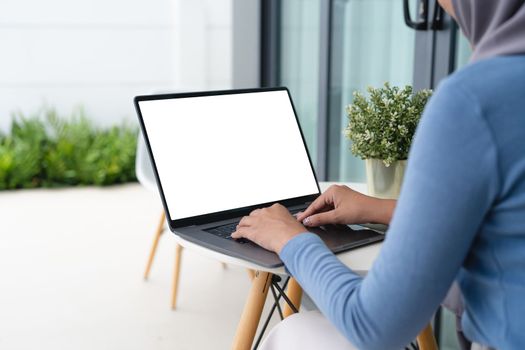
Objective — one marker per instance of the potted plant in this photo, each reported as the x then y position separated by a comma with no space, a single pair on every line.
381,127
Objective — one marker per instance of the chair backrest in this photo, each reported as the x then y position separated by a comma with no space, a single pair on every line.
143,167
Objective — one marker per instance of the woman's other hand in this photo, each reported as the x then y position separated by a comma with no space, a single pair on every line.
342,205
271,228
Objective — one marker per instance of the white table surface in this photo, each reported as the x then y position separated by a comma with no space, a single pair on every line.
359,260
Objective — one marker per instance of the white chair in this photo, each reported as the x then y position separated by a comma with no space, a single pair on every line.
144,171
146,177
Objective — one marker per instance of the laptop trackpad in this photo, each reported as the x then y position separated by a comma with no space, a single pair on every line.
341,237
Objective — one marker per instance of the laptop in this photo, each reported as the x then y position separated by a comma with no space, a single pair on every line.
219,155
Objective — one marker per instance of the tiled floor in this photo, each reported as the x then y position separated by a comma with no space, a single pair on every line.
71,264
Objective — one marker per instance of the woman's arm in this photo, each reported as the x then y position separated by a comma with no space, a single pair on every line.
450,184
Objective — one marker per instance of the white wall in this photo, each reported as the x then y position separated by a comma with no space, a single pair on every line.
205,43
100,53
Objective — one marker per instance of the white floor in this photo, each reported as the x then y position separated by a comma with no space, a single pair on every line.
71,264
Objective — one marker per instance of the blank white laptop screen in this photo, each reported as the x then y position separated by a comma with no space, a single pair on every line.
222,152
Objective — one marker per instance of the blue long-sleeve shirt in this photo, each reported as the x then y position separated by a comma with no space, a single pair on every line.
460,216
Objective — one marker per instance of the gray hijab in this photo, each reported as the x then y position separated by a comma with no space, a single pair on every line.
493,27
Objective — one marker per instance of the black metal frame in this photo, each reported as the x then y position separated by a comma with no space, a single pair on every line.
422,22
435,50
270,69
325,62
274,285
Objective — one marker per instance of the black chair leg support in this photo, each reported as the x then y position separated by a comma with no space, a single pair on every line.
275,285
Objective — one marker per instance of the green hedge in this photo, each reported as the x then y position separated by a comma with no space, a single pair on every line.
48,151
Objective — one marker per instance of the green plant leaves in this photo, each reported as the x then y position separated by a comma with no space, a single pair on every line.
382,125
48,151
21,153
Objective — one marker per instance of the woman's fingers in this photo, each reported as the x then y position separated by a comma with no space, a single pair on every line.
240,233
320,219
316,205
320,204
256,212
245,221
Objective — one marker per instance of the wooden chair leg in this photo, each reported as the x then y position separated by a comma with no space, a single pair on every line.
426,340
295,294
176,273
252,311
251,274
158,233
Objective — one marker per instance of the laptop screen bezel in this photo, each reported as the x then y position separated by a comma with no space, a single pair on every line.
231,213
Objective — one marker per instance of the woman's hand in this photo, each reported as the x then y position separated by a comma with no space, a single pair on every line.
271,228
341,205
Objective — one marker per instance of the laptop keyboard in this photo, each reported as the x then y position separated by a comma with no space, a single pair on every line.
225,231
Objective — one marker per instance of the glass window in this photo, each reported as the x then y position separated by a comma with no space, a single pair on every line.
463,50
299,71
370,44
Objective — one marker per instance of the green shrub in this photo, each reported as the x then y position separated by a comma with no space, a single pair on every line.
49,151
21,154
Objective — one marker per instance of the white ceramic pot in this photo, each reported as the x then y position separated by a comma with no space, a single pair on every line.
383,181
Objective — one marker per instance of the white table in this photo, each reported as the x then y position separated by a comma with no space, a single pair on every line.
359,260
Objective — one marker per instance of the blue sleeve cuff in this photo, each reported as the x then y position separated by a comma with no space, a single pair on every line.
295,245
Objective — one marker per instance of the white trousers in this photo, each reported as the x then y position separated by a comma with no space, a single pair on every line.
306,331
312,331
